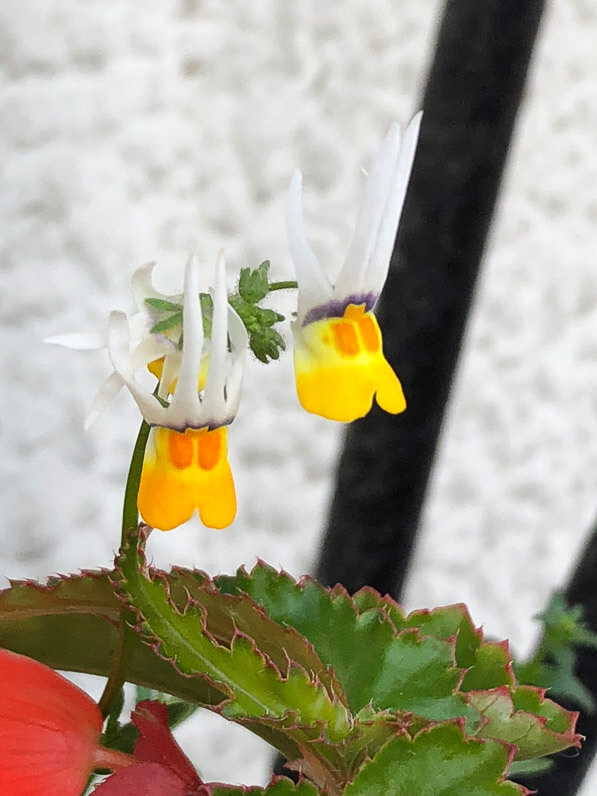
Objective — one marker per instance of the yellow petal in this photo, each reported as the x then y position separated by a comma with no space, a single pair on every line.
340,367
184,472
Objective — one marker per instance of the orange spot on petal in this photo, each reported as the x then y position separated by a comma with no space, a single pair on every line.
180,449
369,333
346,341
183,473
209,449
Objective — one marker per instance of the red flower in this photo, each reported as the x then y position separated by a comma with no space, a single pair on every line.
49,741
49,731
162,768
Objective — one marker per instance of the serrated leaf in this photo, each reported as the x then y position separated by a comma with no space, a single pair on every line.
280,786
439,761
373,662
72,624
253,284
255,685
487,663
226,614
523,717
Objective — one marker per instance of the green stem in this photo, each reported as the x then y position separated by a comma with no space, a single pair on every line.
130,520
289,285
130,512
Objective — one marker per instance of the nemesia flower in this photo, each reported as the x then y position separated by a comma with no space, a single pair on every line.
49,732
186,466
338,358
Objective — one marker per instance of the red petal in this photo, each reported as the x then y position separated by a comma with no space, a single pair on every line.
156,744
49,730
145,779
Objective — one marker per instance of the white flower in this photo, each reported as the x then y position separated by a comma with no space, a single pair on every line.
339,363
133,345
185,467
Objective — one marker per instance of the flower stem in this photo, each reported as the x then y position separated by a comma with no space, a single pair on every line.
130,512
130,520
289,285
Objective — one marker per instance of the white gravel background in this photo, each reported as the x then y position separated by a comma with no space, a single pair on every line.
136,131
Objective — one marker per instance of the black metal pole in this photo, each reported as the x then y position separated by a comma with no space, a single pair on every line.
472,96
473,92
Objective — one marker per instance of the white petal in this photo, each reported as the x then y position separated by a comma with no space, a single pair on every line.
380,258
239,342
377,188
185,407
142,285
119,350
237,332
107,392
148,350
79,341
214,404
314,286
140,324
234,384
119,344
169,373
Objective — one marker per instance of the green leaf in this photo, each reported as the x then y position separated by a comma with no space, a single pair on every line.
487,663
266,344
72,624
521,768
280,786
256,687
523,717
439,761
373,662
554,664
253,284
225,615
564,625
266,317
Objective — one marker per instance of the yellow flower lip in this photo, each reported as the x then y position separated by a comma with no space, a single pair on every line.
339,363
184,472
340,367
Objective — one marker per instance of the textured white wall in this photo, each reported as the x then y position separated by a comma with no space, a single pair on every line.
144,131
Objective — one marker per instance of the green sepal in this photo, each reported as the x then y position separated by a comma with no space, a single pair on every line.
171,322
163,305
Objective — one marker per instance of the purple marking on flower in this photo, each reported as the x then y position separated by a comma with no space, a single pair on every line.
336,308
208,424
